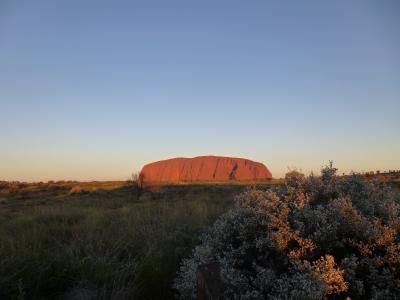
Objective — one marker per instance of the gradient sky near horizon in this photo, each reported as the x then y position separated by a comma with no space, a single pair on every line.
92,90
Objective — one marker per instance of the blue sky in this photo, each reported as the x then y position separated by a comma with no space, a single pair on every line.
92,90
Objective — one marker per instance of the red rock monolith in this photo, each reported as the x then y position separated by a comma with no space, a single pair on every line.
204,169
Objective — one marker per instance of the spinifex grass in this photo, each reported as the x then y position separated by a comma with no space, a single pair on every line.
101,243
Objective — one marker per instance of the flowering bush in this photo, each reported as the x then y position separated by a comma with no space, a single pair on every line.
316,237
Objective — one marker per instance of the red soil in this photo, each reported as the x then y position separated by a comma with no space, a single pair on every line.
204,168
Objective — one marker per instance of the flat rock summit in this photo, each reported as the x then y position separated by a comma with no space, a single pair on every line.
204,168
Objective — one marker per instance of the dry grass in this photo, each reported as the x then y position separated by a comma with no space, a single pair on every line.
100,240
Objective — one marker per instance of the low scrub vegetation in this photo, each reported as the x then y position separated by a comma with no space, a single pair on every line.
313,238
316,237
77,241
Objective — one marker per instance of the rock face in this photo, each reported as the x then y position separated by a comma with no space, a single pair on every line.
204,168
